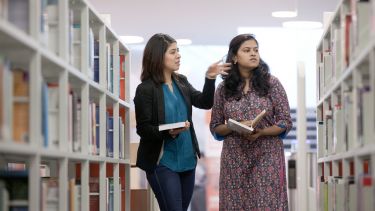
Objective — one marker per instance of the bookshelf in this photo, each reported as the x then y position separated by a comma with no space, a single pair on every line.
64,108
345,109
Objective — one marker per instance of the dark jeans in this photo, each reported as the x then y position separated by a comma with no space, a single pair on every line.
173,190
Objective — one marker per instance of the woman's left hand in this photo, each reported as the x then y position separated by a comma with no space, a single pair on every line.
175,132
217,68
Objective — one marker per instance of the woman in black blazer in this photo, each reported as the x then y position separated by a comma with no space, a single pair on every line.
169,157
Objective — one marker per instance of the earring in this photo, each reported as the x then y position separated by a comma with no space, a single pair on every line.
235,62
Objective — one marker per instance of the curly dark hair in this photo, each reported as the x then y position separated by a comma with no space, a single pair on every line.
233,82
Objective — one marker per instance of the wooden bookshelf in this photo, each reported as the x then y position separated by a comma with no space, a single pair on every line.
346,109
64,108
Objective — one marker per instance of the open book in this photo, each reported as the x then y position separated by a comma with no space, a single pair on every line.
171,126
239,127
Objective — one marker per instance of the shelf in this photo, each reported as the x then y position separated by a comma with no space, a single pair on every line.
346,109
357,152
53,103
14,38
348,71
18,149
124,104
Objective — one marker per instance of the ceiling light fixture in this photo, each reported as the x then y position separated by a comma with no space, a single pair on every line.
302,25
184,41
132,39
289,10
284,14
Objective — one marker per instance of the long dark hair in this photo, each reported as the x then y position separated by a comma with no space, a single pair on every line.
153,57
233,82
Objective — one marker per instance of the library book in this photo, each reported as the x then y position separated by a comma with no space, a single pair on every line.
242,128
171,126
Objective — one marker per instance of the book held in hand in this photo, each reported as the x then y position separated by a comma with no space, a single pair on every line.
171,126
242,128
239,127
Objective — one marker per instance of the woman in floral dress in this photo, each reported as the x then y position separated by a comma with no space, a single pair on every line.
252,171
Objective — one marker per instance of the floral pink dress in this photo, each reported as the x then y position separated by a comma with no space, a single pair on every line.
252,174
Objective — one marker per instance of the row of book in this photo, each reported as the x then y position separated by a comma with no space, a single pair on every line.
14,102
15,114
347,193
50,37
346,121
348,35
94,193
94,65
353,190
14,194
94,132
14,190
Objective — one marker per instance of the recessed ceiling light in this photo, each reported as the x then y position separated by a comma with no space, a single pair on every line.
284,14
183,41
132,39
302,24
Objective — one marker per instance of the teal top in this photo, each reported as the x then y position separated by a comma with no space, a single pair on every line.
178,153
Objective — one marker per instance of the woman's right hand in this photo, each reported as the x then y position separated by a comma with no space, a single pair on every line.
253,135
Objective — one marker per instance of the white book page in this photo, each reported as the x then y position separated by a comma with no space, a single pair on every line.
239,127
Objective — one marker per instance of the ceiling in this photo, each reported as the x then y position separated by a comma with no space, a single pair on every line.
205,22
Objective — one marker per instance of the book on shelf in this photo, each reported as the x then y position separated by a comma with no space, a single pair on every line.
239,127
52,124
6,92
94,200
364,114
348,119
323,193
121,138
328,69
338,193
338,138
49,193
347,25
75,121
96,58
94,129
110,193
363,27
21,103
1,96
4,196
74,195
109,147
171,126
328,131
337,47
76,45
320,133
122,77
3,9
20,13
320,77
14,189
109,68
365,193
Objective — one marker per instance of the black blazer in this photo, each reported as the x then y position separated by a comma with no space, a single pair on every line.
149,112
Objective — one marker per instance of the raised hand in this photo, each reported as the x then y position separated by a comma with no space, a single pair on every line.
217,68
